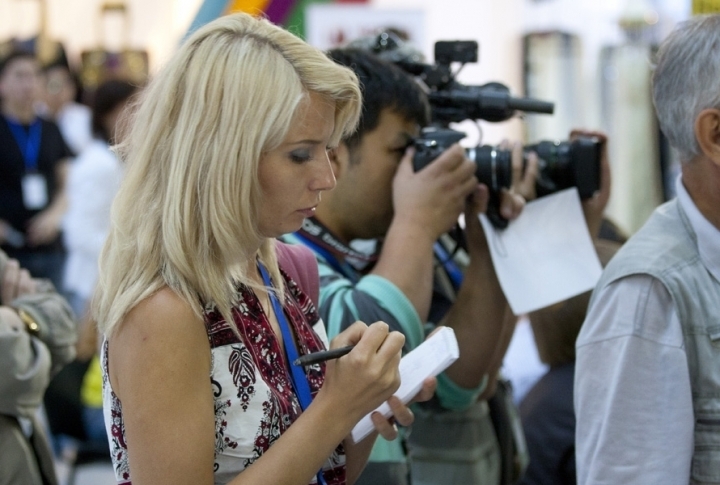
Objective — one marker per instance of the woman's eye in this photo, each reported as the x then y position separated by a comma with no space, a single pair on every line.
300,156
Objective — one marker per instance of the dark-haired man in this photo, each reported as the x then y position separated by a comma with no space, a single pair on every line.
379,196
33,167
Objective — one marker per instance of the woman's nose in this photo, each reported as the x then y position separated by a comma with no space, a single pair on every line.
324,178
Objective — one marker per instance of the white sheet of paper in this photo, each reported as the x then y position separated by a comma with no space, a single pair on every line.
428,359
546,255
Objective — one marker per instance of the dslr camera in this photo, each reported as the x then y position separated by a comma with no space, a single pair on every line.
562,164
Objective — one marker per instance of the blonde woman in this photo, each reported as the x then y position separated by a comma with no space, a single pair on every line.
228,151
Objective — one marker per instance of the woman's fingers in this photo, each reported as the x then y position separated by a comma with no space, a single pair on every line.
350,336
386,427
427,390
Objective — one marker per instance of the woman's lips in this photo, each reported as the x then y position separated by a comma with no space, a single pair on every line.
308,212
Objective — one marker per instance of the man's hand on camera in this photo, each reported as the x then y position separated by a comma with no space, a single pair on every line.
594,207
524,174
512,201
434,197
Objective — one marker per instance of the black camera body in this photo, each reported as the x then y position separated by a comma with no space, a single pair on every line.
561,165
493,167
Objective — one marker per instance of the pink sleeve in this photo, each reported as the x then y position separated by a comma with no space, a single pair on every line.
300,264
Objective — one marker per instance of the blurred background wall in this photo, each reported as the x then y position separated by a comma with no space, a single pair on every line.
562,50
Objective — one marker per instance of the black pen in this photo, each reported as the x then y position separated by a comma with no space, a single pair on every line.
322,356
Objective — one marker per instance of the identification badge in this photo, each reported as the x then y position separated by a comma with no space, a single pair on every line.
35,193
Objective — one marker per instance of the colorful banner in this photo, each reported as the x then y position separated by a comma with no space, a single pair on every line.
288,13
209,11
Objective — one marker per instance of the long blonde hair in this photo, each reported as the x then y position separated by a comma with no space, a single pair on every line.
186,213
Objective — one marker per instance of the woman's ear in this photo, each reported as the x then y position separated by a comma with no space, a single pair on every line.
707,133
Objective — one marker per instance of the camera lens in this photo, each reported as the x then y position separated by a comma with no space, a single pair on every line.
566,164
555,168
493,166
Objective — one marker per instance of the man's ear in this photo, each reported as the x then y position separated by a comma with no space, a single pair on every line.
339,160
707,133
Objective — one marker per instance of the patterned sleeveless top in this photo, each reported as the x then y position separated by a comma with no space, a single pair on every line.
251,386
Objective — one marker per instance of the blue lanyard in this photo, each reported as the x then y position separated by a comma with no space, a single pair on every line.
299,379
28,142
455,274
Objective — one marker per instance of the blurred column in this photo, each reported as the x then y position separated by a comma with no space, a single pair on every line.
629,119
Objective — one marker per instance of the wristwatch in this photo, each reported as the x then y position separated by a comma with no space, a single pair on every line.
31,325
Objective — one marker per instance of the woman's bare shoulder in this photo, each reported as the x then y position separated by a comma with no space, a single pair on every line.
164,313
161,332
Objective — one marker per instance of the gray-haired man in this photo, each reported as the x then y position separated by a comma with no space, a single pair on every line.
647,382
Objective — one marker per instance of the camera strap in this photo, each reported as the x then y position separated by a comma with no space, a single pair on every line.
337,254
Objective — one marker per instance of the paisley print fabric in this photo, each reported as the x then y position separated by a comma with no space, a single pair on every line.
251,386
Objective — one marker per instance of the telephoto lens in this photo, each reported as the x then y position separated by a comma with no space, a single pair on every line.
561,164
493,166
566,164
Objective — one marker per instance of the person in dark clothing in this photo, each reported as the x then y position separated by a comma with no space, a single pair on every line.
546,411
33,166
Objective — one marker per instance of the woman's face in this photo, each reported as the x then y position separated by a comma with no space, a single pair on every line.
293,175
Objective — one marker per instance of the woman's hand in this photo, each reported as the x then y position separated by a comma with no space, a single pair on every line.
366,377
401,413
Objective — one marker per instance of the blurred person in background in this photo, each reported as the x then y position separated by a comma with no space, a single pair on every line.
33,167
546,408
546,411
60,104
37,337
93,181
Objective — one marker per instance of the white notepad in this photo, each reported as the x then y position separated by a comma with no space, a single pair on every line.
428,359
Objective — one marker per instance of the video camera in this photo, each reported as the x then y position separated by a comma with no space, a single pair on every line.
562,164
455,102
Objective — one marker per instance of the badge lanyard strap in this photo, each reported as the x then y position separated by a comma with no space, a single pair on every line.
28,142
455,274
299,379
